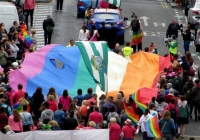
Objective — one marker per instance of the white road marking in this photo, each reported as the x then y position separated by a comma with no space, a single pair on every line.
40,14
145,20
156,24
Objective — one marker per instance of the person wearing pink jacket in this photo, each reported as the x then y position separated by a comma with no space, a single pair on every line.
15,122
29,6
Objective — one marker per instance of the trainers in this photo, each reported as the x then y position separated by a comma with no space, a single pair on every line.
61,10
56,10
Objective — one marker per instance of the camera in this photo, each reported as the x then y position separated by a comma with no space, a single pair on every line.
167,40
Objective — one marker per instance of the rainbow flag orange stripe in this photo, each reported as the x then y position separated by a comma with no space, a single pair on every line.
131,114
135,97
152,128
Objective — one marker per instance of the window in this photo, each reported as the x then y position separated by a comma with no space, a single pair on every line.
106,16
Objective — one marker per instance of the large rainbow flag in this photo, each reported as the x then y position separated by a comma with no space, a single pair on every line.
90,64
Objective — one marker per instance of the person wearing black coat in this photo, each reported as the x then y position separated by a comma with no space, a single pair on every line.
196,99
103,32
36,101
48,25
112,36
185,65
186,38
173,29
70,123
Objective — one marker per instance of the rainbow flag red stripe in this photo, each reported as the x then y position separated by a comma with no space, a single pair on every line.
152,128
135,97
131,114
136,37
28,40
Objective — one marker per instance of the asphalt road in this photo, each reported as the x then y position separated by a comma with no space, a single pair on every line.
155,16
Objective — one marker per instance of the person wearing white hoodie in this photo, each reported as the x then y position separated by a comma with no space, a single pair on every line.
14,49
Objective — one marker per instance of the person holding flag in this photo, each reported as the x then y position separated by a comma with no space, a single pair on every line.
144,118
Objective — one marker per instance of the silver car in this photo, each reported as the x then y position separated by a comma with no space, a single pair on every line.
194,12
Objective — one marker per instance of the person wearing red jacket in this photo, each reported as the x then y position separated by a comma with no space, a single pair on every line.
29,6
52,103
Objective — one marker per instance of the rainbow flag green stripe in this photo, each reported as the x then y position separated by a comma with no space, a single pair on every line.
135,97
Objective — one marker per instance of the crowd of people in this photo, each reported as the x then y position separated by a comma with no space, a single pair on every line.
178,92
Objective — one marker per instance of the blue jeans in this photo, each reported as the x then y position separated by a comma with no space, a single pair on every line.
145,137
186,45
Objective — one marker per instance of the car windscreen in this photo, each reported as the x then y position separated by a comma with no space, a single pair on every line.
106,16
197,5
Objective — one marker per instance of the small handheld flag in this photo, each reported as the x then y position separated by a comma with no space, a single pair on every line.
28,39
131,114
152,128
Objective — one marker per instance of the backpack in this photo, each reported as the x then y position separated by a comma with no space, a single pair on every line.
135,25
161,110
173,113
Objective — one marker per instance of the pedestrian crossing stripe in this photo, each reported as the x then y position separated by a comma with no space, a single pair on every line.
40,14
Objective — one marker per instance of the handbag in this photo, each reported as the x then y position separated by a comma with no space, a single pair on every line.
49,29
192,72
26,127
162,138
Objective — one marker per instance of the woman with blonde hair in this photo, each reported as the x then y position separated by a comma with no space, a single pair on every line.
83,112
52,103
52,91
15,122
167,126
34,38
54,125
92,125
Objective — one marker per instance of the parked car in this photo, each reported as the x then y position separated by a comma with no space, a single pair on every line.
194,12
108,16
197,35
82,5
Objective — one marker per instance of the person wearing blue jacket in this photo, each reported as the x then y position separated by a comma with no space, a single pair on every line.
79,97
167,126
59,115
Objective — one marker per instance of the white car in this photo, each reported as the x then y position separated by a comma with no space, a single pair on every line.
193,13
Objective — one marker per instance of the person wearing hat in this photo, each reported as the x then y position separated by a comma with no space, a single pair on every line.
48,25
153,48
128,130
